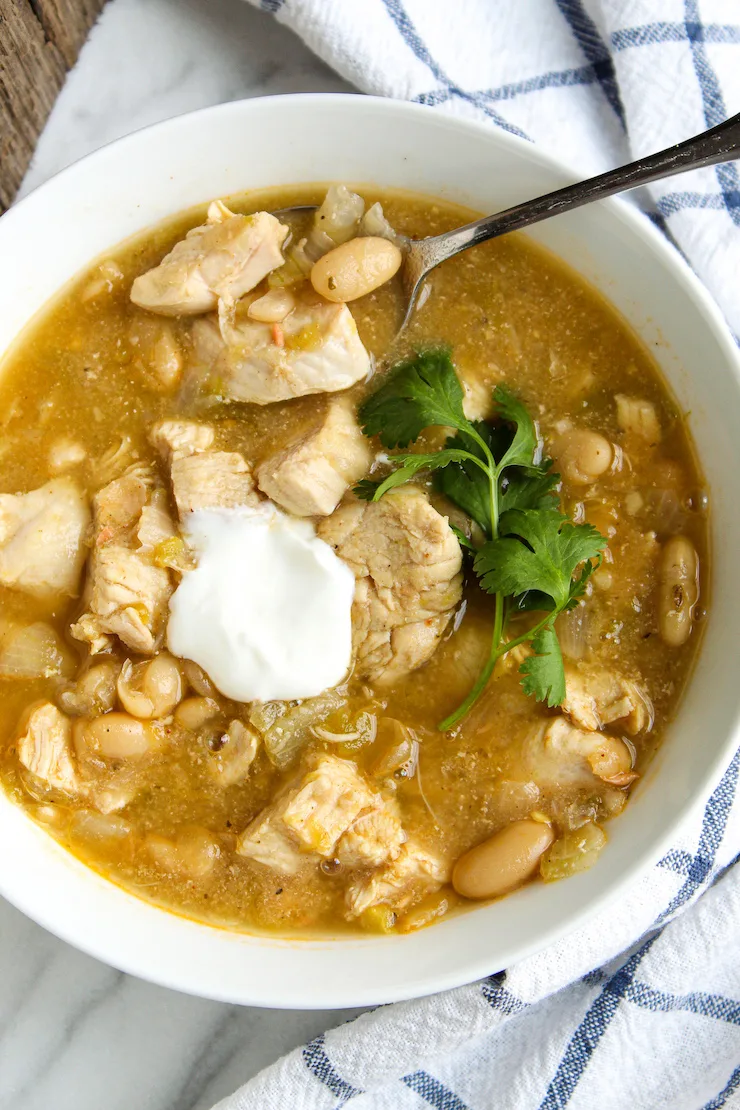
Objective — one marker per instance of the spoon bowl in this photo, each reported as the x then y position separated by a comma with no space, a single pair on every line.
421,256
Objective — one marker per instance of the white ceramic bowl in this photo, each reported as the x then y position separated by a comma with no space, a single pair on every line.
139,180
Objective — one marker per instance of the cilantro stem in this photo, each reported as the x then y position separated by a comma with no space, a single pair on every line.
498,650
498,620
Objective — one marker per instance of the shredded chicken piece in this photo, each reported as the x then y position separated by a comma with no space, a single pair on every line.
155,523
212,480
310,477
328,801
638,417
175,439
224,258
316,348
312,816
45,749
373,839
559,756
201,478
406,561
415,871
42,538
126,593
594,699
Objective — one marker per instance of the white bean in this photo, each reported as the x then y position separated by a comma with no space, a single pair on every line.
119,736
193,713
150,689
583,456
679,590
192,854
355,268
504,861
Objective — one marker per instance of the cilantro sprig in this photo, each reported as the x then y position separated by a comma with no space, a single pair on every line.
534,557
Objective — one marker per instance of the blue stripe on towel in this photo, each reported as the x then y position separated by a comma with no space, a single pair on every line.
498,997
730,1087
697,1002
592,1028
714,106
651,33
321,1067
415,43
555,79
595,50
713,827
671,203
433,1092
677,860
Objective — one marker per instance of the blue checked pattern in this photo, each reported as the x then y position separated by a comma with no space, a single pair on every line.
641,1008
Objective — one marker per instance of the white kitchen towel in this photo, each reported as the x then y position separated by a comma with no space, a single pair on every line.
641,1008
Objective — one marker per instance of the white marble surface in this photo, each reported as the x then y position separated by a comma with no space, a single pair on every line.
74,1034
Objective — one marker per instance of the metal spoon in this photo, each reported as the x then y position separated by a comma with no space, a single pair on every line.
421,256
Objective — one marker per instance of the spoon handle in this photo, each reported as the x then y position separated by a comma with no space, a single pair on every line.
721,144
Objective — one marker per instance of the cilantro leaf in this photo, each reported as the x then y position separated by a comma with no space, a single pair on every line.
409,467
530,488
366,489
552,549
462,539
543,675
521,450
422,392
466,483
578,585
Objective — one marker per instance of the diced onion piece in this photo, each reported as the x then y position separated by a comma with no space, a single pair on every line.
91,826
576,851
363,731
273,307
290,732
337,218
375,223
399,750
572,630
34,651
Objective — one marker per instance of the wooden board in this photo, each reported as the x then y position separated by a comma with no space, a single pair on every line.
39,42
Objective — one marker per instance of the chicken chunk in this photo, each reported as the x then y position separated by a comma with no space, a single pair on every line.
223,258
306,823
373,839
315,349
594,699
212,480
127,593
45,749
310,477
329,800
559,756
42,538
415,872
406,561
128,599
175,439
155,523
266,841
201,478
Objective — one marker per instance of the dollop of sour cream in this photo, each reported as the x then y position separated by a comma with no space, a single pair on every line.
266,611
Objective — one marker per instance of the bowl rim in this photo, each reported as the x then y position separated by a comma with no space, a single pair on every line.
98,945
